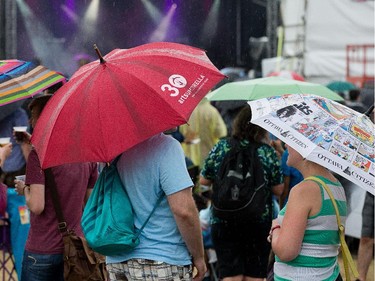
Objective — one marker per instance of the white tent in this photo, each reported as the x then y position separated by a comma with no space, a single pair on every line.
317,32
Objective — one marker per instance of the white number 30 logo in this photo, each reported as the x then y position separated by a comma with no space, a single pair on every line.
176,82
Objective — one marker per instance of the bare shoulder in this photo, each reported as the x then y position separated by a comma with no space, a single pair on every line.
305,187
307,193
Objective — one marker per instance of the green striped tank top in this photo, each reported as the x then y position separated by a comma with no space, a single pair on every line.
317,260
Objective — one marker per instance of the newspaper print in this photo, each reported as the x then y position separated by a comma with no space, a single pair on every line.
323,131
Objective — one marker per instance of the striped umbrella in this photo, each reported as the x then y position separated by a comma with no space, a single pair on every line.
20,80
8,65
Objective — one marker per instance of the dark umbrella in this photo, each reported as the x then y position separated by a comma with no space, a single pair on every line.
9,108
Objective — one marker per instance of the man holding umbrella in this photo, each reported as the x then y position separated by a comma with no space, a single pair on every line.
151,168
120,104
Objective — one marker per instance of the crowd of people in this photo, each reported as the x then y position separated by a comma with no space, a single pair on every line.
305,243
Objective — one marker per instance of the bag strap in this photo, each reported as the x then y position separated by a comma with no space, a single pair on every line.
347,258
236,144
149,216
114,161
138,233
51,184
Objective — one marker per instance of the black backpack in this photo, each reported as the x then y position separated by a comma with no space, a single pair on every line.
239,189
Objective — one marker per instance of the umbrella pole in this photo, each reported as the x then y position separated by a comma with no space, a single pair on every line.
369,111
102,60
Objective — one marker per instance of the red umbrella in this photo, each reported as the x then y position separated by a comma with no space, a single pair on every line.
287,74
112,104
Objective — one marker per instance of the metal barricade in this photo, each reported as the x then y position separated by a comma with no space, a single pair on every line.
7,263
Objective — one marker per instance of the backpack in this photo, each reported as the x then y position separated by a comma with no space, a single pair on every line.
239,188
108,219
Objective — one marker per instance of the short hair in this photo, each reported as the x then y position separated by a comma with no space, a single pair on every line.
243,129
354,94
52,89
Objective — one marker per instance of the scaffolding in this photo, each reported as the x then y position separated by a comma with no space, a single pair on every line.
7,262
360,64
8,29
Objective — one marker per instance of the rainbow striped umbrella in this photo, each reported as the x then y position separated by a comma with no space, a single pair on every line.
20,80
8,65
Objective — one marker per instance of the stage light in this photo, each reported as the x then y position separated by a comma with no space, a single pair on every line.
88,24
70,13
92,12
161,31
49,49
153,11
70,4
210,26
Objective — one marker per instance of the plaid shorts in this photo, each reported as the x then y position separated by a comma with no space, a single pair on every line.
143,269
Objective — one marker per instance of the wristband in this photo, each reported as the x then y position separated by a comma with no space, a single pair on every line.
275,227
269,238
23,190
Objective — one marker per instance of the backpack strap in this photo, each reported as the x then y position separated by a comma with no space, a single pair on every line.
347,258
114,162
251,147
149,216
236,144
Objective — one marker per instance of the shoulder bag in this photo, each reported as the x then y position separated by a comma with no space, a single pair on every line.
346,256
81,263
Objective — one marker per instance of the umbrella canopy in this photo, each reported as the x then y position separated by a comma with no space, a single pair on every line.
8,65
20,80
127,96
287,74
322,131
269,87
341,86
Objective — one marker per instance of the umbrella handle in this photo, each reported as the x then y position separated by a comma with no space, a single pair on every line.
369,111
102,60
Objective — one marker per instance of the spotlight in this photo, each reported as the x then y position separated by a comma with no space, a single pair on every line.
161,31
92,12
210,26
72,15
88,24
153,11
44,44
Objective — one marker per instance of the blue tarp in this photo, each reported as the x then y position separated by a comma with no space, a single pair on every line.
18,231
